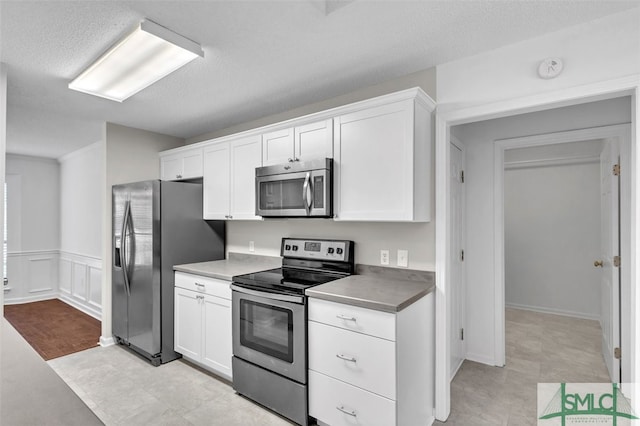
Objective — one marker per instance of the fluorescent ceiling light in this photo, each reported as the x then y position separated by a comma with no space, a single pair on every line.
146,55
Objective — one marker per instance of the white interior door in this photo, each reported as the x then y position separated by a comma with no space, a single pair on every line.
610,242
457,311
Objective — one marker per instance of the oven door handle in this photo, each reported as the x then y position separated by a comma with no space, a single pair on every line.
272,296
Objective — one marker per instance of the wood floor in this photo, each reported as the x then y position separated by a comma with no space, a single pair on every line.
541,348
53,328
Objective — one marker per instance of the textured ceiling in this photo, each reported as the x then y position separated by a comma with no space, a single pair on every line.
261,57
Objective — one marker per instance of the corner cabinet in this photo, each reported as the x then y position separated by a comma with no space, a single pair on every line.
368,367
229,179
203,322
300,143
382,161
181,164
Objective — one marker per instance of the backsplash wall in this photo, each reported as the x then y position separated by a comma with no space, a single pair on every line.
370,238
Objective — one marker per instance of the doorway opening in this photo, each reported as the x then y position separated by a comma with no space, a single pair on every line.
485,296
565,243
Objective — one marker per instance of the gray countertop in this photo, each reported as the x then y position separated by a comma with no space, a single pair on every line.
373,291
235,264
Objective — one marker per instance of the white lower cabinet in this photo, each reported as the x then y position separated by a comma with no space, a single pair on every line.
337,403
368,367
203,322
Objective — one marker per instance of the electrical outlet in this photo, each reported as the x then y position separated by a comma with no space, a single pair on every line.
384,257
252,246
403,258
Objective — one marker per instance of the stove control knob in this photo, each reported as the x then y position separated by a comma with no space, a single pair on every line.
330,250
294,248
287,247
339,250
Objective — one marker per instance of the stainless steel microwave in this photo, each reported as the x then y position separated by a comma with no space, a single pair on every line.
295,189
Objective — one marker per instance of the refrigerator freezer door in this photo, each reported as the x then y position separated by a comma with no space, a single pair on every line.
142,254
120,299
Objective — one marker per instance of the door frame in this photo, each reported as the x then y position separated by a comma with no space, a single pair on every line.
462,291
444,120
622,133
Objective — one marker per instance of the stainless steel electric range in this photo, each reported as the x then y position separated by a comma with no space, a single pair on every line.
269,311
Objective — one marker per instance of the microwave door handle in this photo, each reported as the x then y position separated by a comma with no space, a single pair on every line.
306,194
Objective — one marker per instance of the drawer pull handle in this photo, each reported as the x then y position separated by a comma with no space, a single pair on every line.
344,410
346,318
200,285
351,359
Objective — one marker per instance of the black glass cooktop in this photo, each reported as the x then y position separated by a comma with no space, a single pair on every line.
285,280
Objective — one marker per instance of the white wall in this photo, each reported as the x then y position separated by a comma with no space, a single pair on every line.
39,201
595,51
33,221
370,238
479,256
81,201
130,155
552,237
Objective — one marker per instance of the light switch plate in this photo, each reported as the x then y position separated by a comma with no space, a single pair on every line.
384,257
252,246
403,258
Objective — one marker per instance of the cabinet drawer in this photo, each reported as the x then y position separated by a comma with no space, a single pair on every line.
328,396
354,318
211,286
364,361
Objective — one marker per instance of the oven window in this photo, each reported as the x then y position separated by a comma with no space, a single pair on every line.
267,329
282,194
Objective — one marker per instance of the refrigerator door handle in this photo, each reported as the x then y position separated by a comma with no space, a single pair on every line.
123,246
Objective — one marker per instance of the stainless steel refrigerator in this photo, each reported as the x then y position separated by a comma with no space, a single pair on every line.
156,225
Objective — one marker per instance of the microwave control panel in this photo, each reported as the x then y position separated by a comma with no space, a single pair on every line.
317,249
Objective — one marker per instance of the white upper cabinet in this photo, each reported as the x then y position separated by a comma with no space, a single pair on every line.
381,150
277,147
309,141
382,162
181,165
215,182
314,140
229,179
246,155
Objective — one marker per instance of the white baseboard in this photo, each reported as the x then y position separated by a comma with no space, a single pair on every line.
554,311
107,341
456,369
482,359
29,299
69,301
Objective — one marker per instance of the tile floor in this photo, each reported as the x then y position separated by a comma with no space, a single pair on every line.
122,389
541,348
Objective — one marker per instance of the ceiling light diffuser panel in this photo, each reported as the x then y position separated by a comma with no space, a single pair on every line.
148,54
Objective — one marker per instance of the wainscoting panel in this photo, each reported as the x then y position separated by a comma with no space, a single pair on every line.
85,282
50,274
79,281
95,287
32,276
65,276
42,272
